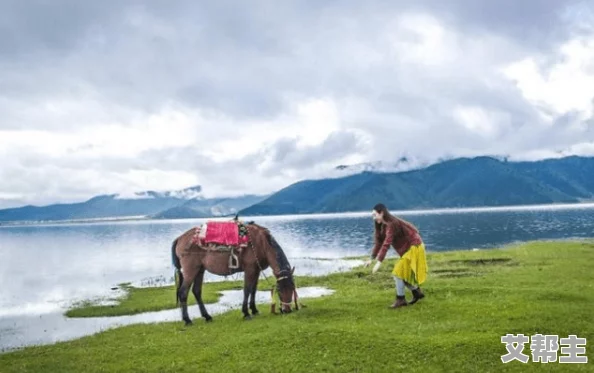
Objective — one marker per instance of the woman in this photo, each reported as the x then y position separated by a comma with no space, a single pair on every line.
411,269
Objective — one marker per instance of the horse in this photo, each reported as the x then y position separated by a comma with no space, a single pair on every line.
192,258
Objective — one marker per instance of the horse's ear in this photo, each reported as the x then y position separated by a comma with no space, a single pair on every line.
293,270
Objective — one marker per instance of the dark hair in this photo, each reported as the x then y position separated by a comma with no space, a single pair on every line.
381,208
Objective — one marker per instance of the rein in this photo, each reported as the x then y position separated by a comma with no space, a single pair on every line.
251,244
273,302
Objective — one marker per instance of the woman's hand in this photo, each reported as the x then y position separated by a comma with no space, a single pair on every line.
376,266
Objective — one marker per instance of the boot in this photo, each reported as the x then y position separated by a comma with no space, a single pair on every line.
417,295
400,302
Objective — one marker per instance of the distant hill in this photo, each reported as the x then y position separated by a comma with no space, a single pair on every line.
209,207
185,203
462,182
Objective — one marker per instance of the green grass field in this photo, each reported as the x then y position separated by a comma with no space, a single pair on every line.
472,299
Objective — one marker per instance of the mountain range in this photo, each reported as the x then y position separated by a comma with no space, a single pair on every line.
461,182
185,203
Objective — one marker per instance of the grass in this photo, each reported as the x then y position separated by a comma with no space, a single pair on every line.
472,299
138,300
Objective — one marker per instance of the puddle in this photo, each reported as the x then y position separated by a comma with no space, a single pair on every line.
42,322
22,331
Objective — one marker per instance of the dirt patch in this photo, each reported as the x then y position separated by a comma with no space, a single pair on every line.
562,297
449,270
453,273
485,261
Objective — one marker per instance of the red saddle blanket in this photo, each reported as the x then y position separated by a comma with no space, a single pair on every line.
224,233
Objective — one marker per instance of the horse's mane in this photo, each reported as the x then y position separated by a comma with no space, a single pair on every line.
281,258
258,226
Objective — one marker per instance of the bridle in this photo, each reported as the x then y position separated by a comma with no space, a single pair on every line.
279,278
295,297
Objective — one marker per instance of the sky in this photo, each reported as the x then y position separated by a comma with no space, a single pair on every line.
248,97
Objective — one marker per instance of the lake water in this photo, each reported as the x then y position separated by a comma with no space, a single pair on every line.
44,268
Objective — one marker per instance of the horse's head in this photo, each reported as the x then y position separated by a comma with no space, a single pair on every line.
285,287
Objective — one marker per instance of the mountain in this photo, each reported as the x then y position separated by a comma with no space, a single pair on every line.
462,182
185,203
209,207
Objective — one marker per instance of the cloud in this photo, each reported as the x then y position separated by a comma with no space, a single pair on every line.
117,97
288,155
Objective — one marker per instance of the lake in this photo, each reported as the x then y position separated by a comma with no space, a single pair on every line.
44,268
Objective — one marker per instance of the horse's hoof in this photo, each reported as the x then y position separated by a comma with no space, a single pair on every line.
208,319
247,317
255,313
188,322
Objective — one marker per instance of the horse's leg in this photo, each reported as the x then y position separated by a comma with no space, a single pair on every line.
182,293
248,282
197,290
253,294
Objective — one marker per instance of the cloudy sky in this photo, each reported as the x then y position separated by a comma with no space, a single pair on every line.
247,97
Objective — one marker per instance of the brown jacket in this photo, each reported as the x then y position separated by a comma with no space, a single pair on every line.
400,234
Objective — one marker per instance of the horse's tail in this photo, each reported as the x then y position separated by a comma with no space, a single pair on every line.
179,277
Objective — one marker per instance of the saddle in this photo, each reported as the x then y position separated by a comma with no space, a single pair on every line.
231,237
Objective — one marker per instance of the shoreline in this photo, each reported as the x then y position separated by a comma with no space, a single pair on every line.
305,216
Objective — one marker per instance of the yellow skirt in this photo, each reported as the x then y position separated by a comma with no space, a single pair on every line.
412,266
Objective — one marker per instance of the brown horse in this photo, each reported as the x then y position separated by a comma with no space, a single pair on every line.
192,260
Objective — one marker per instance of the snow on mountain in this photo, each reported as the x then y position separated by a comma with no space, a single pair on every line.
194,192
134,195
400,165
